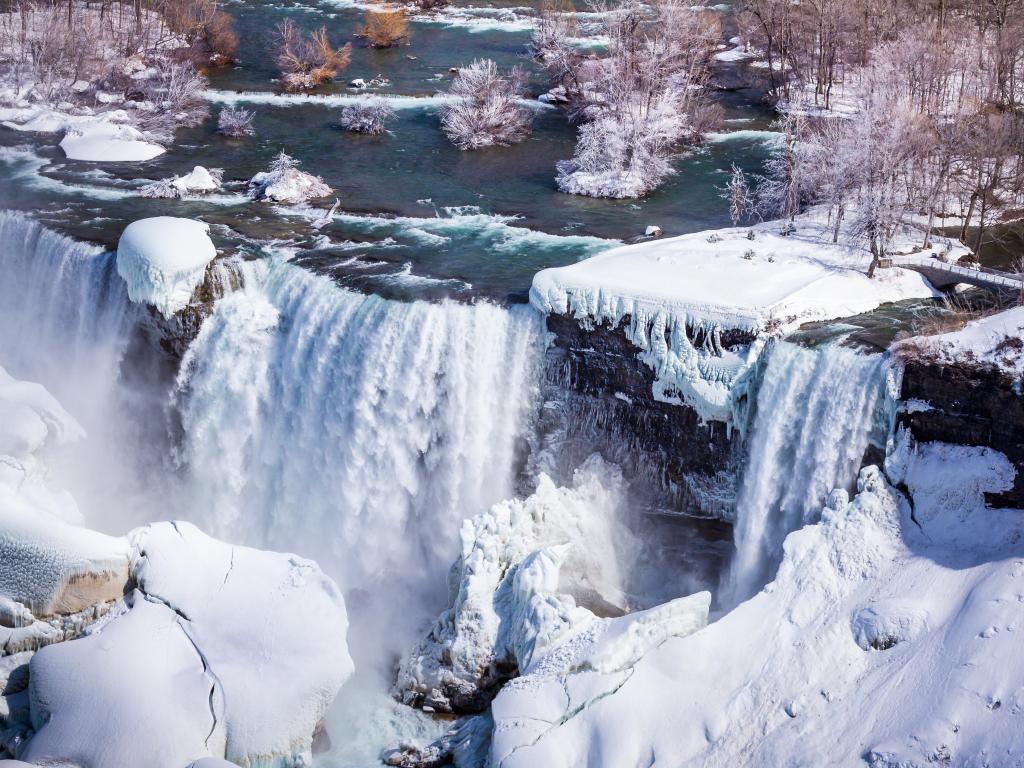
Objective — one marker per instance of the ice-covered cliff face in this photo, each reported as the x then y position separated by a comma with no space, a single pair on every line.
816,412
356,430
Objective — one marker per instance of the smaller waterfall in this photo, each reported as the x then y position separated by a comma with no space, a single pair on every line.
817,410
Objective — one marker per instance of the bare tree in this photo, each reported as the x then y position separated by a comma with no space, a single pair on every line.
308,60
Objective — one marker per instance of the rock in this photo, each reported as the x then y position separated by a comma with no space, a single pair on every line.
163,260
654,231
357,83
81,86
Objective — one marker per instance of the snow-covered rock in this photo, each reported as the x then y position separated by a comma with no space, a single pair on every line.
285,183
106,142
271,627
883,639
198,181
526,571
163,259
996,341
682,294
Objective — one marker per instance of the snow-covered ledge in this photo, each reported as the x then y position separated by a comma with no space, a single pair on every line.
701,306
163,260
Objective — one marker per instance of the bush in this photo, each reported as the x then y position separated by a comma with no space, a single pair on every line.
370,117
306,62
385,29
177,96
488,112
221,37
235,122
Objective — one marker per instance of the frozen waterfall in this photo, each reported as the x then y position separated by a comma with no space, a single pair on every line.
817,411
356,430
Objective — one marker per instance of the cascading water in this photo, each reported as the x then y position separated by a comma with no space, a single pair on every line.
66,322
817,411
64,311
355,430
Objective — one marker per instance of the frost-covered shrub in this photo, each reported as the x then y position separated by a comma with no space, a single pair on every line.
369,117
489,111
199,181
285,183
235,122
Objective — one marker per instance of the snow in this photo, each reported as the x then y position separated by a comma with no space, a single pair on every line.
198,181
134,693
882,638
163,259
526,570
996,340
47,565
679,294
270,626
285,183
108,142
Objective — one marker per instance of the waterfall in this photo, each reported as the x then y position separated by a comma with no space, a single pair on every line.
64,313
355,430
817,410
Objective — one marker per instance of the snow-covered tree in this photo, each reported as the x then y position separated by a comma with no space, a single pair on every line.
285,183
641,101
488,111
737,194
369,117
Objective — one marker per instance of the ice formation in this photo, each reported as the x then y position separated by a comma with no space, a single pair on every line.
156,648
163,260
683,295
103,141
530,571
852,669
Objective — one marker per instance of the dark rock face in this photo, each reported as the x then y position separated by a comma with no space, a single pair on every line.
598,397
174,334
971,405
682,473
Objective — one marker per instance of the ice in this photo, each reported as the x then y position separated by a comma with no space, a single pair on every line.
163,260
106,142
681,294
513,587
285,183
883,637
270,626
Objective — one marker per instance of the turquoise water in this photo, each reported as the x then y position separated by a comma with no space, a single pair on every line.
418,218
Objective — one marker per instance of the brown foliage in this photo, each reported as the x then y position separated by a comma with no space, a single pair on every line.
221,36
306,62
385,29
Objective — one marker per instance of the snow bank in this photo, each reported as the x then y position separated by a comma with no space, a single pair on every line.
996,340
682,294
163,260
881,639
526,570
270,626
107,142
